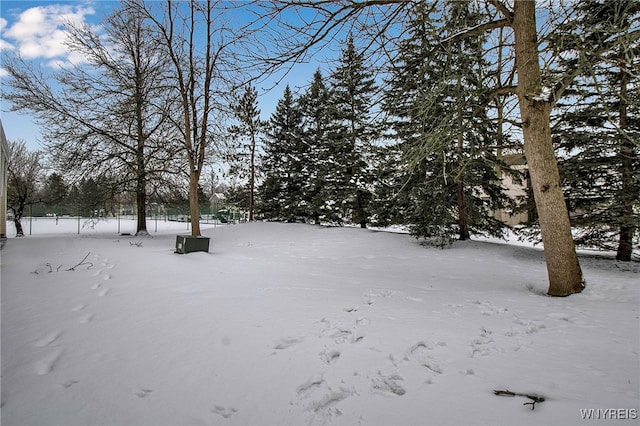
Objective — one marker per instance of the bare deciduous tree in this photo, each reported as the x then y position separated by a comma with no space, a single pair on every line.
25,169
106,116
198,72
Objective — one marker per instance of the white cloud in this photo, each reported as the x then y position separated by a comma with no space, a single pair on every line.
38,32
5,45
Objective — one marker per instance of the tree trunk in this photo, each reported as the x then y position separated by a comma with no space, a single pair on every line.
627,229
18,224
141,192
563,267
141,184
252,175
463,213
141,204
194,203
361,215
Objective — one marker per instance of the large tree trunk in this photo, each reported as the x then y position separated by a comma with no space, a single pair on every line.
463,212
627,229
18,224
194,203
141,191
141,178
563,267
141,202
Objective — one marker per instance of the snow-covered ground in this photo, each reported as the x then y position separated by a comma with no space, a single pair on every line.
287,324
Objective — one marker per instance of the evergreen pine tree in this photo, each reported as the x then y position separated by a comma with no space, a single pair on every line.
598,135
316,120
248,131
437,96
352,135
284,168
54,192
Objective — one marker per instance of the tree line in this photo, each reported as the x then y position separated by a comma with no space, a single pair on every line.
35,192
433,158
412,125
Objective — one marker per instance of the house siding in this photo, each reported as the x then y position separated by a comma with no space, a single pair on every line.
4,165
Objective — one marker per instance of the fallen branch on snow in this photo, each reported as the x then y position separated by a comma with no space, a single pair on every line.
533,397
82,262
51,269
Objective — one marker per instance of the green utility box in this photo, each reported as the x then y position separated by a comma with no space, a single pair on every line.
189,243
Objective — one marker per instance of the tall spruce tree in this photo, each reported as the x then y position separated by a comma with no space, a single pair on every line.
248,131
437,98
315,112
284,166
598,135
352,134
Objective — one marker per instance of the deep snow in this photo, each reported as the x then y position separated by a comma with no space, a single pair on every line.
298,324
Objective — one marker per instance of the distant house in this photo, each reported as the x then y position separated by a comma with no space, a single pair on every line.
514,190
4,166
218,199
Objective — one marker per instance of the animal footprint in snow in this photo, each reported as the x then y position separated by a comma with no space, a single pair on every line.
48,339
357,338
86,319
223,411
287,343
432,366
96,273
322,410
78,308
143,392
106,277
340,335
363,321
69,383
420,352
309,386
481,346
95,286
560,316
329,357
389,384
419,348
104,292
46,364
490,309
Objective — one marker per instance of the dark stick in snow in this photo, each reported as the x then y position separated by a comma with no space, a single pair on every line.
533,397
82,262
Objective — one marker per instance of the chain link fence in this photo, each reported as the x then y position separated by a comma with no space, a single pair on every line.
40,219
